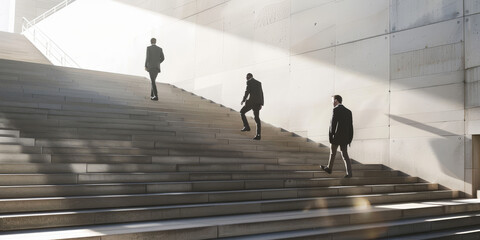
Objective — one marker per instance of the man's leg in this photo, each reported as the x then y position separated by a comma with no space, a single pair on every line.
256,113
153,77
346,159
333,153
244,110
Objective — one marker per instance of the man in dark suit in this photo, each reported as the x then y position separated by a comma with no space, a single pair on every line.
340,134
152,65
255,102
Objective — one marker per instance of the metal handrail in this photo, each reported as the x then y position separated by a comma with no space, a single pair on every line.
51,11
46,45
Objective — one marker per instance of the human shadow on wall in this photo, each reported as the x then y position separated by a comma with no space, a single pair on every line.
439,139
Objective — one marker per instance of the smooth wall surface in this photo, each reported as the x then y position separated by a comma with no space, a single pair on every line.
472,92
400,66
31,9
7,15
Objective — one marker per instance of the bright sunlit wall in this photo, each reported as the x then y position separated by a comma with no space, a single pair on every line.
7,15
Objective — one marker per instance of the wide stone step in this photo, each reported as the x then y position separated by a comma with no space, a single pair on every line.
93,125
243,153
47,127
274,187
88,82
81,178
165,111
18,149
81,149
18,221
9,133
25,158
161,156
196,137
250,146
15,46
17,141
249,135
190,149
323,182
92,143
66,110
460,226
40,115
263,167
92,135
22,84
72,187
167,139
23,168
175,109
470,230
39,204
182,105
73,110
212,160
70,178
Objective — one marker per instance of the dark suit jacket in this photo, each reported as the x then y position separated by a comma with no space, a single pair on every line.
154,58
341,126
254,89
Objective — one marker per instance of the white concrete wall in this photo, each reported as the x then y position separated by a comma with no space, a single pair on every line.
399,64
30,9
7,15
472,93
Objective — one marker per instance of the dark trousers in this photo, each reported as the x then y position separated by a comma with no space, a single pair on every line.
346,158
256,113
153,77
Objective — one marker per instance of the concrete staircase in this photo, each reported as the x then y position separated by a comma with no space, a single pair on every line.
15,46
87,155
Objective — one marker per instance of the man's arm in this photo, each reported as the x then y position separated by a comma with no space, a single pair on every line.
146,60
261,94
247,92
350,137
162,57
333,125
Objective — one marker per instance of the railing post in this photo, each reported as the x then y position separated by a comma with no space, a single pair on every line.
51,11
52,50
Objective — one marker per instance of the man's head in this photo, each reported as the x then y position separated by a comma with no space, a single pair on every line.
153,41
336,99
249,76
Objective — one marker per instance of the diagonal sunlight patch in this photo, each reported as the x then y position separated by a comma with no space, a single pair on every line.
451,218
406,206
361,204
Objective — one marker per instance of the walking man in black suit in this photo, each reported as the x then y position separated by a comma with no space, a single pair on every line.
255,102
340,134
152,65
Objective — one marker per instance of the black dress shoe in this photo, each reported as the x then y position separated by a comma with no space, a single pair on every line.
326,169
348,176
258,137
245,129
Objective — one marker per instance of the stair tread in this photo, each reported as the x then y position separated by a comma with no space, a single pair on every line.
222,222
354,229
